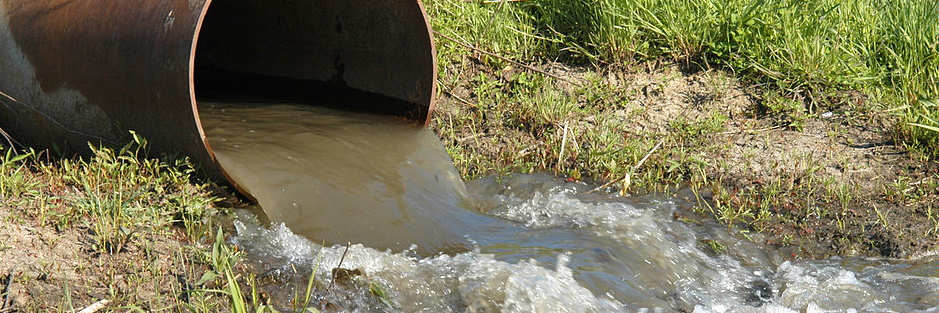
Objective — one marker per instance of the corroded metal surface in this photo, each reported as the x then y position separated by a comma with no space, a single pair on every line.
88,70
75,71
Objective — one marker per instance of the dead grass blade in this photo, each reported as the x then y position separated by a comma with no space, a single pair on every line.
516,63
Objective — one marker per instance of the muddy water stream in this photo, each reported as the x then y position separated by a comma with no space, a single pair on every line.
339,177
424,242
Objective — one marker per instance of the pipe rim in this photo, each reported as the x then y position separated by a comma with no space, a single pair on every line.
431,105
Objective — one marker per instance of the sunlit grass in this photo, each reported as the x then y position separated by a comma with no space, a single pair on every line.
798,59
800,48
119,194
924,122
127,204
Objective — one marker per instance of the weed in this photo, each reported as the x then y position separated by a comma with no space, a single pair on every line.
713,247
924,122
933,214
121,193
842,194
124,201
16,178
802,49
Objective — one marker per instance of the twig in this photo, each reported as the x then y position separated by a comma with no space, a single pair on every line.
633,171
8,97
648,154
8,138
473,136
7,291
342,258
608,184
464,101
3,132
516,63
54,121
95,307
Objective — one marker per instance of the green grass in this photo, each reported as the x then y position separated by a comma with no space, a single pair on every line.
522,122
857,59
128,205
134,211
118,194
805,56
924,125
801,49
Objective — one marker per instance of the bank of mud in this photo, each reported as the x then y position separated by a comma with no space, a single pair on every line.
816,174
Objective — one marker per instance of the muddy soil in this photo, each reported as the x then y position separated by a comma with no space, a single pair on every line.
841,184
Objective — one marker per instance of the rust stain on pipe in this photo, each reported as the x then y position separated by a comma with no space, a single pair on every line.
88,70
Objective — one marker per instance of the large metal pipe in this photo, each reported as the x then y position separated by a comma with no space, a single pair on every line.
73,71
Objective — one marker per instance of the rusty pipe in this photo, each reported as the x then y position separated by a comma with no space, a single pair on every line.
73,71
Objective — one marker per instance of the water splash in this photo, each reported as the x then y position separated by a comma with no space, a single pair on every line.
645,262
527,243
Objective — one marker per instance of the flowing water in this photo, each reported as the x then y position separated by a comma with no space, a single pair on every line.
424,242
338,177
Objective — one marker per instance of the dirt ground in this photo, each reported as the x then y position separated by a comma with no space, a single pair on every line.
831,179
889,200
55,270
834,145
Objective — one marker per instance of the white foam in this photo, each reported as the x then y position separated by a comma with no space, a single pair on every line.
658,262
468,281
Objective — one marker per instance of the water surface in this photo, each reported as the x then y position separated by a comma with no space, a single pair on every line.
527,243
340,177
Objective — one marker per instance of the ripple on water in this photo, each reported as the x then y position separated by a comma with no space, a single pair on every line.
665,275
530,243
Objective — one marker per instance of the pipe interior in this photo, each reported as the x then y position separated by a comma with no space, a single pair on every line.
372,56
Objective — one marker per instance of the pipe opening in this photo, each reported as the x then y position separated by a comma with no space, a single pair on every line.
92,70
371,56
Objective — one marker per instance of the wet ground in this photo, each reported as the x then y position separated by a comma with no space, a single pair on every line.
821,175
524,243
548,262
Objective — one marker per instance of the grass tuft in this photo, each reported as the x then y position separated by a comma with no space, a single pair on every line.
127,211
735,69
802,49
